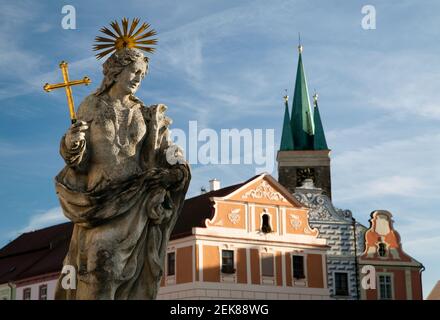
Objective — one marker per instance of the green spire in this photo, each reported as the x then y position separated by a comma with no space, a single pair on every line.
286,137
303,127
319,142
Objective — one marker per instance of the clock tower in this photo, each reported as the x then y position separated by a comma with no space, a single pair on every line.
303,153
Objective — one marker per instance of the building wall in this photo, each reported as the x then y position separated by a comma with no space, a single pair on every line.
213,291
7,292
241,264
255,266
34,284
416,281
406,283
341,256
247,282
315,272
184,271
210,266
334,265
336,226
383,251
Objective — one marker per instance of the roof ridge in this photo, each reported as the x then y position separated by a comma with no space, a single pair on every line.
212,192
19,253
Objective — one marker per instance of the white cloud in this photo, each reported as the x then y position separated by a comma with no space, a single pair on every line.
228,87
40,220
43,27
184,54
394,185
21,65
426,246
402,81
7,149
16,62
407,167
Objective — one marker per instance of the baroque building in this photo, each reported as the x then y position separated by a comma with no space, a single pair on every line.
247,241
397,276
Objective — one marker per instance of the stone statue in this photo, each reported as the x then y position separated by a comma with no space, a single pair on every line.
123,187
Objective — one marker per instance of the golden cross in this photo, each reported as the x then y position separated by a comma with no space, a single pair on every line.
67,85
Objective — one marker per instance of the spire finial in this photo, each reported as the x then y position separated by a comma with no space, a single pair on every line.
286,97
315,98
300,47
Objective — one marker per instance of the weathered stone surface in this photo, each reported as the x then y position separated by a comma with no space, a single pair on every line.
121,186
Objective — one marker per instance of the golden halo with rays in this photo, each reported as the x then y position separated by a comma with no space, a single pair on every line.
127,38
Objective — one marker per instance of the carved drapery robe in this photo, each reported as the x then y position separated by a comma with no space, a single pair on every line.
123,197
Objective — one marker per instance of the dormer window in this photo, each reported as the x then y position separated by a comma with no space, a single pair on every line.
382,250
265,223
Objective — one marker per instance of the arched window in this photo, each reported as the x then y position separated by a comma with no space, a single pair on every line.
265,223
382,250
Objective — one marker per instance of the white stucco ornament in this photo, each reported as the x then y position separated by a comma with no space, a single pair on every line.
234,216
264,190
295,221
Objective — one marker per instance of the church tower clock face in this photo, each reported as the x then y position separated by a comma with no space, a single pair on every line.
303,174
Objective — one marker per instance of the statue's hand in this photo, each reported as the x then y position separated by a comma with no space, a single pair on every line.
76,134
171,177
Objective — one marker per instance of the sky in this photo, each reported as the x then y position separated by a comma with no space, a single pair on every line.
226,64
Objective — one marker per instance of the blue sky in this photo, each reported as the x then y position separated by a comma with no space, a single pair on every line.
226,64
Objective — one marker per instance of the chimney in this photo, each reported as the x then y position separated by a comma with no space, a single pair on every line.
214,184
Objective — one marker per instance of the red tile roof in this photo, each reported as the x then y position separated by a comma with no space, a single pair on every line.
435,292
197,209
35,253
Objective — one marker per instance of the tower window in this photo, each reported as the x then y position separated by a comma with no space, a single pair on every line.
171,263
228,261
265,223
382,250
298,267
341,283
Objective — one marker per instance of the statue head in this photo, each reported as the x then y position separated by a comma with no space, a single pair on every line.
124,70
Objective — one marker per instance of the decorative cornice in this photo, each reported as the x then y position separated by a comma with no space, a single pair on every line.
322,209
264,190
